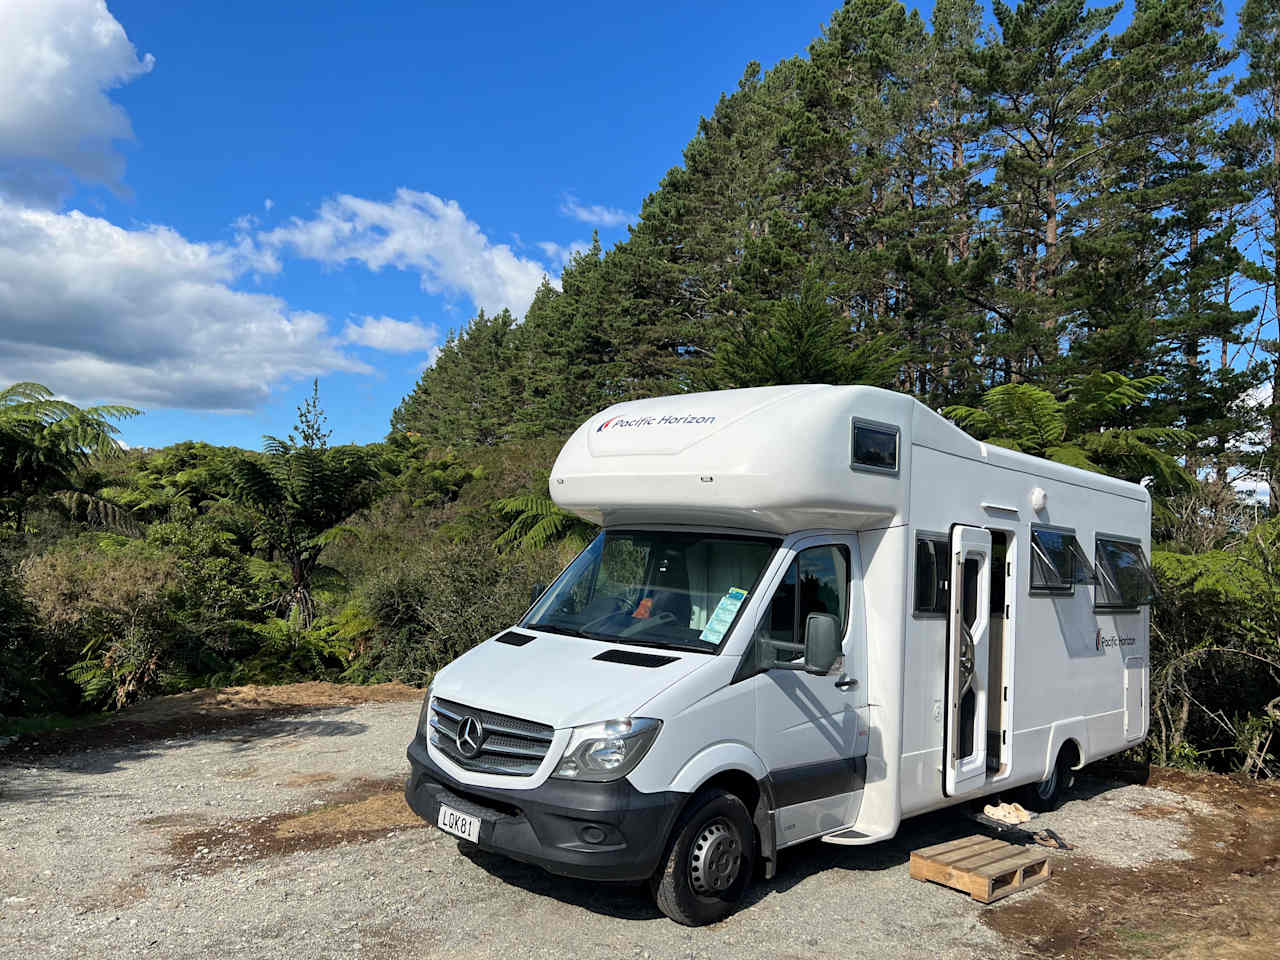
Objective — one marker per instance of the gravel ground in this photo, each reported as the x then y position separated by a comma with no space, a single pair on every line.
289,838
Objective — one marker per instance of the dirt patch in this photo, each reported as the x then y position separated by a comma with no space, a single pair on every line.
1225,902
121,896
362,810
196,712
309,779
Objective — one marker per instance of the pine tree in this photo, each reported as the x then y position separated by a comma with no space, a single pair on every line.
1259,40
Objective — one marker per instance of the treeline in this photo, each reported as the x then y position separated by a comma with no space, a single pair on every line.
939,208
126,574
1064,235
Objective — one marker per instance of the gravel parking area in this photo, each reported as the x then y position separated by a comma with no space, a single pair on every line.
289,837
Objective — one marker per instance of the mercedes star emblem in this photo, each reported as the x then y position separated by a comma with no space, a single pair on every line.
470,737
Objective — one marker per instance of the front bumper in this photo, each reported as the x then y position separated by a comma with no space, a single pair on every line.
596,831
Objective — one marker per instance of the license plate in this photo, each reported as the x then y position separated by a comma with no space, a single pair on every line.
459,824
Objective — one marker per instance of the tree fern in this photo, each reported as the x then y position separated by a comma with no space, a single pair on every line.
536,521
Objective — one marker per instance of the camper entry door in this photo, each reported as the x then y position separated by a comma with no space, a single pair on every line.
967,638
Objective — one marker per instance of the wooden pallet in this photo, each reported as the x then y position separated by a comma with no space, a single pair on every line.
985,869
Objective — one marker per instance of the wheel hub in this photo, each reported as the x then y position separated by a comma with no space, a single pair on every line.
715,858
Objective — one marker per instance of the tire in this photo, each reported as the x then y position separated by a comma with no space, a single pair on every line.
1048,794
710,860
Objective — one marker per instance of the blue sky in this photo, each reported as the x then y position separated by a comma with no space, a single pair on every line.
203,206
528,126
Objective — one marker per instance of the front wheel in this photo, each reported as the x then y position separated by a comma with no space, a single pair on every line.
709,862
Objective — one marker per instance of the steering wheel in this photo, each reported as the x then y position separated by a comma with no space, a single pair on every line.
648,623
620,605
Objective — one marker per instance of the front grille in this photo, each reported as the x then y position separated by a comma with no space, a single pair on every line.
510,746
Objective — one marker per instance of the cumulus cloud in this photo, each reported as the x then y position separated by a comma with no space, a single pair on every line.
57,123
146,317
596,214
418,232
561,254
391,336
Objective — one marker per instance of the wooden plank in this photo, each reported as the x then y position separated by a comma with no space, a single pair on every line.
981,862
1013,862
940,848
975,850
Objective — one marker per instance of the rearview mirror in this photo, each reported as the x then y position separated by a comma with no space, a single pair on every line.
536,591
821,642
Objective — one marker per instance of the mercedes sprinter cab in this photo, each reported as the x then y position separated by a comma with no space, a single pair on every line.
812,611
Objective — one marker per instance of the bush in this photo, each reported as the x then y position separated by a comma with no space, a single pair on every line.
427,610
1215,657
129,618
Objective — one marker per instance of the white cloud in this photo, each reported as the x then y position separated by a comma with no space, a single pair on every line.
561,254
596,213
57,123
392,336
419,232
267,204
146,317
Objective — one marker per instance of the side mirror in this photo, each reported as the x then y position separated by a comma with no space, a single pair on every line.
821,642
536,591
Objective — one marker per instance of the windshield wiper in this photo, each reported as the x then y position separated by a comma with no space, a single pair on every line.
555,628
614,638
658,644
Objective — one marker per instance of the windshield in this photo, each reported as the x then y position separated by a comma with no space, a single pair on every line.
655,588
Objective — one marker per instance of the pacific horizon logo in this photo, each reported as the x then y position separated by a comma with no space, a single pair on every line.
668,420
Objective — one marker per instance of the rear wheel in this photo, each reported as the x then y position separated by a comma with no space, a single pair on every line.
709,862
1049,793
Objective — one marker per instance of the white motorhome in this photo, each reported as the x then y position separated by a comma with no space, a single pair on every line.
812,611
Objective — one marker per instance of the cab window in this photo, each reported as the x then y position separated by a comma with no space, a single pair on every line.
816,582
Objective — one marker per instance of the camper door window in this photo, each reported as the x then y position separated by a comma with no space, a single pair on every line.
658,588
1057,562
1124,576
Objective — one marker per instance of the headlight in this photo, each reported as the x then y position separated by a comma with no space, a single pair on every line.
607,751
422,714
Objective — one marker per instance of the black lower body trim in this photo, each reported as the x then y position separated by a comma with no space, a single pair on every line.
813,781
596,831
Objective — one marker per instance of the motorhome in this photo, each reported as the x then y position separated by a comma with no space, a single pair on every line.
811,612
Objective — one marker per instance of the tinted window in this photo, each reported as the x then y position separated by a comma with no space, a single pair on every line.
1057,562
816,582
933,574
999,559
875,447
1124,577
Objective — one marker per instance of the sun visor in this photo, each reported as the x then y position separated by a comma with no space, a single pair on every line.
670,425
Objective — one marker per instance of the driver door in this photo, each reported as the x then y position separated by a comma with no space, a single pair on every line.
808,729
967,651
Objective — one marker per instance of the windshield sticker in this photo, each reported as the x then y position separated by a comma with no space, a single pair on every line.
718,624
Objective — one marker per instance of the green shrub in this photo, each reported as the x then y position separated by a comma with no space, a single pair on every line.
427,610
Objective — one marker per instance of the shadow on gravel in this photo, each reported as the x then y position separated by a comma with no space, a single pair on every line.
795,865
126,746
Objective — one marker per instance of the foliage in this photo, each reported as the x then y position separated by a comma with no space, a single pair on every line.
300,492
1077,431
43,440
1215,657
429,609
537,522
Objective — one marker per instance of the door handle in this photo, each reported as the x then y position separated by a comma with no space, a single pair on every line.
846,682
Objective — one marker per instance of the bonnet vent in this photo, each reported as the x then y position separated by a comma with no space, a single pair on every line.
514,638
634,659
